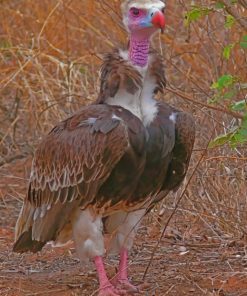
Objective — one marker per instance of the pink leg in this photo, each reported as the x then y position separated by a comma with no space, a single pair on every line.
123,265
121,280
105,287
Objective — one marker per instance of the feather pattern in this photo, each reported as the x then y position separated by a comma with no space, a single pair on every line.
71,164
110,163
84,156
104,157
157,70
184,142
117,73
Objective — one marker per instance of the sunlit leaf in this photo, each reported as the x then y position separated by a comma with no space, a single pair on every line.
227,51
224,82
239,106
230,21
238,138
195,14
220,140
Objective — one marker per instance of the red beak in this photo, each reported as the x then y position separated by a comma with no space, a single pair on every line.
158,20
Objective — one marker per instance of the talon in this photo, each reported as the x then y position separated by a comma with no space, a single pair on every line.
126,286
110,290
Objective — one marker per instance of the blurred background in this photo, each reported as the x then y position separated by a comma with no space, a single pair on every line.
50,57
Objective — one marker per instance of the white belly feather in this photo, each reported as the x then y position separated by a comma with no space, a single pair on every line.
141,104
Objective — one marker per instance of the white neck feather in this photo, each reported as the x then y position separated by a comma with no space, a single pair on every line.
141,104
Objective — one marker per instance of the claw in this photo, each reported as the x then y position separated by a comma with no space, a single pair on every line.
126,286
109,291
121,281
106,287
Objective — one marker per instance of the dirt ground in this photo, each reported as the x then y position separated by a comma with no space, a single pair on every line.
187,262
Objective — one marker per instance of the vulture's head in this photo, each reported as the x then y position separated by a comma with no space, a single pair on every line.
142,18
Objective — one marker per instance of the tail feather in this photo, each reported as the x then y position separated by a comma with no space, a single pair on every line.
23,231
25,243
34,231
25,220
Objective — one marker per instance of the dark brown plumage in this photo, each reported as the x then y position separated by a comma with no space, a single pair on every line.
76,160
113,160
117,73
103,157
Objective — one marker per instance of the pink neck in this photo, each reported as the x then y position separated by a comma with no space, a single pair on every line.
138,51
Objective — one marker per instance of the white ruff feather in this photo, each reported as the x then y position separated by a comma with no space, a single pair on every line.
141,104
142,4
148,5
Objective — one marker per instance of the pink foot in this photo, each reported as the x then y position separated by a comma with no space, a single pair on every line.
121,281
105,287
125,285
109,291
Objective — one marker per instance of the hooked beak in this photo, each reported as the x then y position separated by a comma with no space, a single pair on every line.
158,20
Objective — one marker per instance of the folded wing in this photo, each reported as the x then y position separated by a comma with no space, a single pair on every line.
69,166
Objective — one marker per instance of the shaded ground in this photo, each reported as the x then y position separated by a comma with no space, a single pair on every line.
195,264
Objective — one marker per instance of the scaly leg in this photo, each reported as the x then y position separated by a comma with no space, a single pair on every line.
123,227
105,286
121,280
89,242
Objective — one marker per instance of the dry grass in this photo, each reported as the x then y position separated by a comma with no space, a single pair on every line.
50,54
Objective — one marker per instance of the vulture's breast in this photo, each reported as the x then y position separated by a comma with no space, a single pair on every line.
141,172
117,192
160,143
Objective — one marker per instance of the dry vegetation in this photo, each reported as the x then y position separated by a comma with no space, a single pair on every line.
50,54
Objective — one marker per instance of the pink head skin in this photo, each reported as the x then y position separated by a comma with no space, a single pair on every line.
142,23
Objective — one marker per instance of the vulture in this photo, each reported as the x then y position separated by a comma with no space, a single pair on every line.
101,170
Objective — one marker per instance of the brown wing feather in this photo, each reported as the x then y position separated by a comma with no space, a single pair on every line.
184,142
117,73
69,166
157,70
181,154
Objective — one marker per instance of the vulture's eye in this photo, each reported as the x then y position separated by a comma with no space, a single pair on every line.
135,11
163,10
